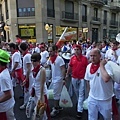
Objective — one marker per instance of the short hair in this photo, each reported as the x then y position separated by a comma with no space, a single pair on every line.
17,36
54,47
12,45
24,46
115,42
36,56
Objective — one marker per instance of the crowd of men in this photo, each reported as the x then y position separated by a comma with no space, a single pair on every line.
26,64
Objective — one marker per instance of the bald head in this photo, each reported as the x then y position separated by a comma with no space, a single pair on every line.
95,55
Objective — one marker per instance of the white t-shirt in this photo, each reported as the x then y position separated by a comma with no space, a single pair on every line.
6,84
56,69
109,54
36,49
26,60
44,57
37,86
118,60
99,89
16,57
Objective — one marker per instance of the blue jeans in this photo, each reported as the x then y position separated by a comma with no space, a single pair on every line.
79,89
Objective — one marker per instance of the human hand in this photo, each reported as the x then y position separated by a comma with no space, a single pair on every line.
23,83
103,62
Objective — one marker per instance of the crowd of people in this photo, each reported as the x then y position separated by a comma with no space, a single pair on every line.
25,64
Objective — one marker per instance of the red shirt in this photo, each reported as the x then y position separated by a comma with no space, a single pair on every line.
78,66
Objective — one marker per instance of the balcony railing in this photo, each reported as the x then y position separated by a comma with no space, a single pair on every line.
70,16
96,19
97,2
50,13
26,12
114,23
104,22
84,18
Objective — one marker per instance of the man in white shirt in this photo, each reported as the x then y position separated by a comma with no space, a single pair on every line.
99,80
44,54
6,89
27,72
58,73
16,71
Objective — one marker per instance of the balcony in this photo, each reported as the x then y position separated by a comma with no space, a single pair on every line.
84,18
115,8
50,13
105,22
26,12
66,16
96,20
99,3
113,23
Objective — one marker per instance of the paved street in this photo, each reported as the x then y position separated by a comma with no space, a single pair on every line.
66,114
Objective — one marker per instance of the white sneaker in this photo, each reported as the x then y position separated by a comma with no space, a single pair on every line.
22,107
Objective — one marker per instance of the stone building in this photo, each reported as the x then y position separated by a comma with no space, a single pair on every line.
45,20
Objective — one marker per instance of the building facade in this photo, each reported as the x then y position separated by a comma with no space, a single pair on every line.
45,20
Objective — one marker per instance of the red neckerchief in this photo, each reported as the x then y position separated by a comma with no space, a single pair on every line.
14,51
53,58
36,70
1,69
25,53
94,68
115,49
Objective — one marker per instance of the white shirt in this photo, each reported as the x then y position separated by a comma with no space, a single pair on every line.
118,60
16,57
109,54
44,57
57,75
37,86
36,49
26,60
99,89
6,84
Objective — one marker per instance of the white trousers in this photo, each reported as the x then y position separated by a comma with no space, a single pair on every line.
117,90
102,106
79,89
10,114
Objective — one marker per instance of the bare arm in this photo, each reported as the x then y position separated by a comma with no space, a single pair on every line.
15,66
68,71
28,70
42,82
104,74
6,96
63,70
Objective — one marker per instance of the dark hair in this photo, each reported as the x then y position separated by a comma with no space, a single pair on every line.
54,47
3,63
24,46
36,56
17,36
115,42
12,45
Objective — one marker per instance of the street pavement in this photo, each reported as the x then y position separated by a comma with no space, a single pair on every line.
66,114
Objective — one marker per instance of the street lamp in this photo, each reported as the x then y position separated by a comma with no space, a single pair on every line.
47,27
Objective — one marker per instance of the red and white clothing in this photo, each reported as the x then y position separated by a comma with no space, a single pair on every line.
17,75
100,93
5,85
44,57
35,50
28,86
57,76
78,65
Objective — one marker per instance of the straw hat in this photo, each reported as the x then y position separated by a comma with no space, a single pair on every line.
4,56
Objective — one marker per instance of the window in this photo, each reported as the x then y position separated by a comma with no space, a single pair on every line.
50,8
105,17
95,12
113,17
84,13
69,6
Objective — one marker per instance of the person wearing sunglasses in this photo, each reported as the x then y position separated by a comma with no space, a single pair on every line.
39,87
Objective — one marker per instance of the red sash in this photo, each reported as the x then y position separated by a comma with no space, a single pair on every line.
19,74
3,116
